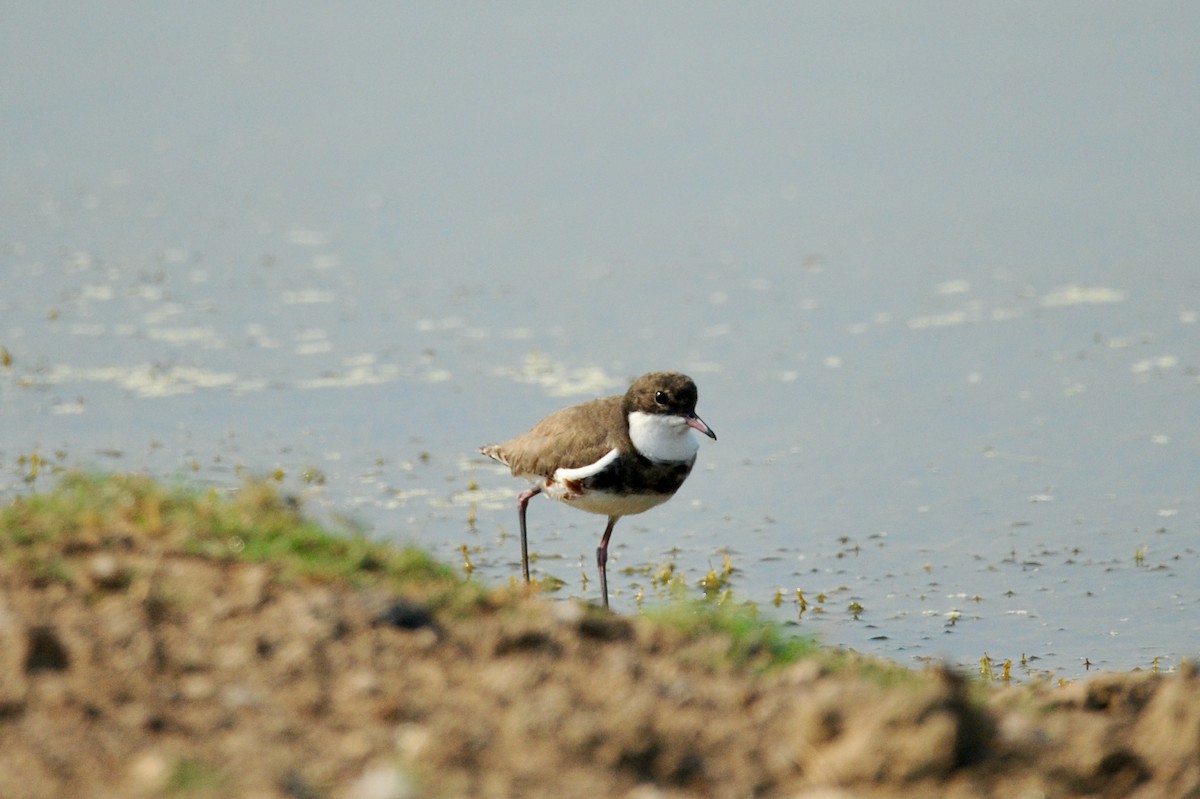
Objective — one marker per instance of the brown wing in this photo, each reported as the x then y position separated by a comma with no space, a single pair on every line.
569,438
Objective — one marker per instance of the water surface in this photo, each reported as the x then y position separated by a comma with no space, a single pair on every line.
933,269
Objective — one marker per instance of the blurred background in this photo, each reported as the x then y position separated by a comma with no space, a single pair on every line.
934,267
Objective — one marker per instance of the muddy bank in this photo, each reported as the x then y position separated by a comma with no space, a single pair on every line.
135,664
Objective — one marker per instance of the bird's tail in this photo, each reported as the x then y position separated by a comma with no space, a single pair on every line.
493,452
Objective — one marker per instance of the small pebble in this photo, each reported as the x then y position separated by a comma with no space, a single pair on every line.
148,773
106,572
381,782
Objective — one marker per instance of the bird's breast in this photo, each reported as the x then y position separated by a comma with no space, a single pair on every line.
624,484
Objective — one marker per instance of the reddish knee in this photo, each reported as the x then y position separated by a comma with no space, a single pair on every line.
524,497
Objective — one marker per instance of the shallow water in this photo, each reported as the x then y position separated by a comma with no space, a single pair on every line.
934,273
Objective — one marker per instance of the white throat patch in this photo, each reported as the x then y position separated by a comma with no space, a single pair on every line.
662,438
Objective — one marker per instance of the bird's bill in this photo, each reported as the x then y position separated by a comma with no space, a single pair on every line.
696,423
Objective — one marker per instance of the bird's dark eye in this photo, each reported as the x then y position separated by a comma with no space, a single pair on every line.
661,397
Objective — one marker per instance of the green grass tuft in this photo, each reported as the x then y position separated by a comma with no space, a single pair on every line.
751,640
88,512
194,777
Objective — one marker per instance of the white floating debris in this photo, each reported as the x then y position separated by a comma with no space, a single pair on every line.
147,380
162,313
1005,314
1075,294
557,379
491,498
952,287
449,323
314,347
1160,438
257,334
184,336
307,297
1151,364
100,293
307,238
144,292
434,376
950,319
361,375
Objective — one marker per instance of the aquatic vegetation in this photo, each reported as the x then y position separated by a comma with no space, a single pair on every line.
32,465
989,673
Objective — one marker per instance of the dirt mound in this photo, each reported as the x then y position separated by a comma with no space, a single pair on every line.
127,670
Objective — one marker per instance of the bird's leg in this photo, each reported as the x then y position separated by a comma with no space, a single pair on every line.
602,558
522,501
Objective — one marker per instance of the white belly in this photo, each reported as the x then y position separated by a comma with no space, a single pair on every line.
614,504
